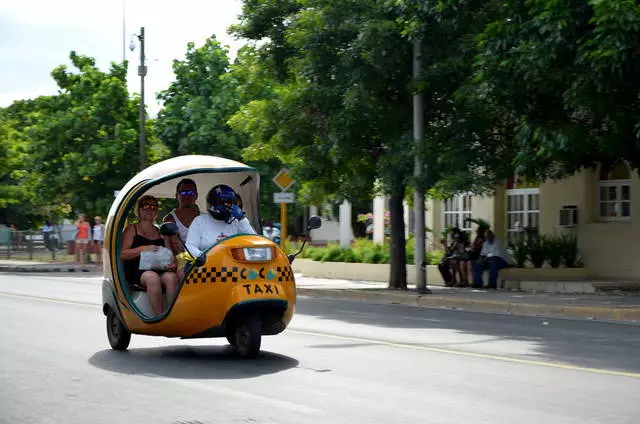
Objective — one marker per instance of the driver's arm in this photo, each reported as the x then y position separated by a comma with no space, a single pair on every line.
244,227
193,238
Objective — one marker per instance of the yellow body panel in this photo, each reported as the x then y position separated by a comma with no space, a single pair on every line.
208,292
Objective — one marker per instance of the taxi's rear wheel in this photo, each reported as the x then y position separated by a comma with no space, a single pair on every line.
249,336
119,336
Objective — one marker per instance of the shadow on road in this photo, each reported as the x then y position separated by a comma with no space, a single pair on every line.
195,362
580,343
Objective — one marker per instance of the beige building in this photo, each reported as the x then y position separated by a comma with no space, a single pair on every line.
595,204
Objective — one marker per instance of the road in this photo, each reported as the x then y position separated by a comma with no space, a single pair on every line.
339,362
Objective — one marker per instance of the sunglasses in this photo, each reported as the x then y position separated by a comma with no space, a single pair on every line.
185,193
149,207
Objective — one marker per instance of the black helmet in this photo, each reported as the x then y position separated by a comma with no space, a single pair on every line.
219,201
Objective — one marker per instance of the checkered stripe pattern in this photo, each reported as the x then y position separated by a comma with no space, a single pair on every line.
214,275
285,274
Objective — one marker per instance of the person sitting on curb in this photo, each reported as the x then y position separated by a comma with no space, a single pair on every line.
447,265
492,257
473,251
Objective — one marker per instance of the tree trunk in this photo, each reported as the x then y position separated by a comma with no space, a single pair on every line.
398,277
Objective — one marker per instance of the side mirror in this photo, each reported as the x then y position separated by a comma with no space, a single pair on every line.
169,229
200,260
315,222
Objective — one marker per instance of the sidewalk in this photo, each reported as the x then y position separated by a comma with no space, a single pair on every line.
622,307
11,265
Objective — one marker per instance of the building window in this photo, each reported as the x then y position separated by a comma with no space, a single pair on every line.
523,211
614,193
457,212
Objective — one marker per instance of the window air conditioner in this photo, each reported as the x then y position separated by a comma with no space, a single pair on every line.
568,216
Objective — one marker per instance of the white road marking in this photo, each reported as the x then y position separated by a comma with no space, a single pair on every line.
420,319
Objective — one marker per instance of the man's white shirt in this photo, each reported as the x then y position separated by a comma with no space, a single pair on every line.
205,231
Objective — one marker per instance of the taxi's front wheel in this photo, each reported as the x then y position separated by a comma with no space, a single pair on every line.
119,336
249,336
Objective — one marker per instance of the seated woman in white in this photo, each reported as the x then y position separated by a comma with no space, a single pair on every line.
224,218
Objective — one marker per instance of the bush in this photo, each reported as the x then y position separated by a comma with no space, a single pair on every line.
570,254
520,251
554,249
335,253
434,257
364,251
411,250
537,251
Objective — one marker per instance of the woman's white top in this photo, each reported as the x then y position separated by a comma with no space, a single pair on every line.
97,232
183,230
205,231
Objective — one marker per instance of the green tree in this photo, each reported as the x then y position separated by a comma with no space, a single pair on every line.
198,104
566,70
79,142
342,118
15,196
252,81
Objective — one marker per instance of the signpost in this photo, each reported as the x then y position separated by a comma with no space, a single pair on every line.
284,181
284,197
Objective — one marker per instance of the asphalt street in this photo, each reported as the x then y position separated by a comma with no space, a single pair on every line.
338,362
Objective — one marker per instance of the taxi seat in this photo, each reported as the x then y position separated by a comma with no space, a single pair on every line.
137,287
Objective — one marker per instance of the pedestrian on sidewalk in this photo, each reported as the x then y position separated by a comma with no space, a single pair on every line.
82,239
98,239
492,257
16,237
47,231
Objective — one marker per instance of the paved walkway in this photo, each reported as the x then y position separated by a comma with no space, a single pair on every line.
614,306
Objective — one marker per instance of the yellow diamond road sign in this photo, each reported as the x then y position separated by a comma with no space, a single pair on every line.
283,179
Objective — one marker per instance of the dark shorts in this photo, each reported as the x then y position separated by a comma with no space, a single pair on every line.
473,256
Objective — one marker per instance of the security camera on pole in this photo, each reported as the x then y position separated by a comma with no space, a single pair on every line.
142,72
284,181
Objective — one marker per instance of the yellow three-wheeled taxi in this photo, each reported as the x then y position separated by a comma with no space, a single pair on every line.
223,294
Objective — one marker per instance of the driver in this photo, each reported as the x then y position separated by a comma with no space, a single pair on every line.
225,218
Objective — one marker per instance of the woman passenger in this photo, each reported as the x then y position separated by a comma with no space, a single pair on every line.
145,236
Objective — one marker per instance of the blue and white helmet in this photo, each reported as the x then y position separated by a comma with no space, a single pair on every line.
219,201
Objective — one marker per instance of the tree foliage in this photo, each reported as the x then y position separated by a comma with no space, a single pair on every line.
343,116
198,104
567,71
74,148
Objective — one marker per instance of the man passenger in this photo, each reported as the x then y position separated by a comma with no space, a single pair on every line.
184,214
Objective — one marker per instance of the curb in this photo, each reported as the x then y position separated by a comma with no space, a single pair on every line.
628,315
54,268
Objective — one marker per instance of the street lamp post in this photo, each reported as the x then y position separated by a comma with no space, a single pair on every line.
124,9
142,72
418,196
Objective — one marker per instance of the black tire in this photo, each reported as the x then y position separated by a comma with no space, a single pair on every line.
249,337
119,336
231,336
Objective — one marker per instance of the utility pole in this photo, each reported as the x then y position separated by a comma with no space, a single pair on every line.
142,71
124,56
418,195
